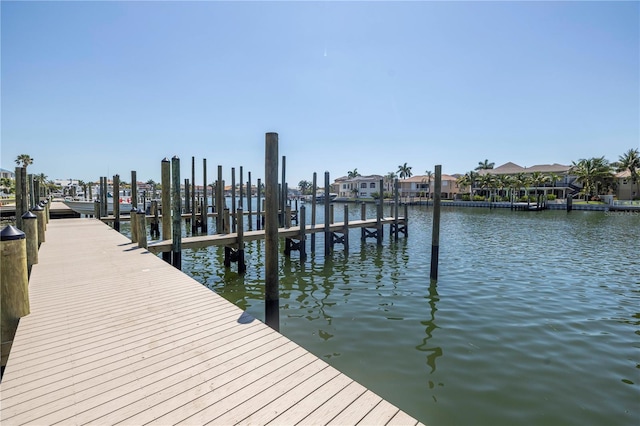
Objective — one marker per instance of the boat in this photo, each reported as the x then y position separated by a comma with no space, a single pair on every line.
87,207
320,197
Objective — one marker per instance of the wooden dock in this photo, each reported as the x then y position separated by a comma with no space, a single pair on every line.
116,335
291,232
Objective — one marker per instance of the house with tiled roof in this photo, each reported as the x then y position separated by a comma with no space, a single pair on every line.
420,186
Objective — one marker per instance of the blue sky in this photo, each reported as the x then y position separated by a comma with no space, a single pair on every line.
92,89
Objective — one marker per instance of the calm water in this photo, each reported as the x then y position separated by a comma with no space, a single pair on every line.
535,318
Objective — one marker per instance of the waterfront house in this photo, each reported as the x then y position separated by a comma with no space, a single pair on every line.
357,187
626,187
417,187
565,184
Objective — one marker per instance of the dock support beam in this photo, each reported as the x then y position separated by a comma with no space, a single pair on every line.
166,205
116,202
327,214
176,205
435,236
271,293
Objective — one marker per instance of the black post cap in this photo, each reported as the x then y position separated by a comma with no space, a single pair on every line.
29,215
37,208
140,211
10,233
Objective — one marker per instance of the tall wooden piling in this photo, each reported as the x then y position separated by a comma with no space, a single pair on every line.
240,192
327,213
302,237
176,206
379,206
116,202
259,206
345,231
435,236
32,195
165,168
242,266
20,194
249,194
226,221
204,222
272,296
187,198
396,199
283,187
154,228
30,224
14,302
133,222
314,189
233,199
194,221
363,216
220,203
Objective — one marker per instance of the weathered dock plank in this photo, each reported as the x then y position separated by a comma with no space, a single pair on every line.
116,335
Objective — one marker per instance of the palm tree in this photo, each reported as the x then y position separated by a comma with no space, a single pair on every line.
353,173
591,173
504,181
8,184
521,181
537,180
428,177
468,179
25,159
487,182
630,160
389,178
404,171
484,165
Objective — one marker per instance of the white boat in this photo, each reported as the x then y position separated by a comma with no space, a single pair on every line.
87,207
320,197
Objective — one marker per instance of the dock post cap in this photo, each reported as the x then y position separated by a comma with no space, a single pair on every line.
10,233
165,160
175,157
29,215
133,210
141,211
37,208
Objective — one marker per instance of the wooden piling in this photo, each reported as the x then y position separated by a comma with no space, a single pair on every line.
116,202
220,203
20,210
241,190
134,189
314,189
302,237
406,220
187,199
30,224
155,220
97,209
259,205
287,218
32,197
283,194
39,212
396,198
176,206
204,221
133,219
435,235
379,233
249,190
242,266
327,213
194,221
226,222
272,297
345,232
141,222
569,203
14,302
233,199
165,168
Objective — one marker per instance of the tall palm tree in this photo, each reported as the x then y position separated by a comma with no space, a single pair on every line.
389,178
487,182
521,181
468,179
25,159
427,178
591,173
353,173
503,181
630,160
484,165
404,171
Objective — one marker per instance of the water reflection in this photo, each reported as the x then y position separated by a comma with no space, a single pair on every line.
434,352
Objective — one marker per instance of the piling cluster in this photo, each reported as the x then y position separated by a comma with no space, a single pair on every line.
19,246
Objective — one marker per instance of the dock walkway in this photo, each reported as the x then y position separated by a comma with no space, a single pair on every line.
116,335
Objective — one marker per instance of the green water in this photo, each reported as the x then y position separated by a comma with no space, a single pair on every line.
535,318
